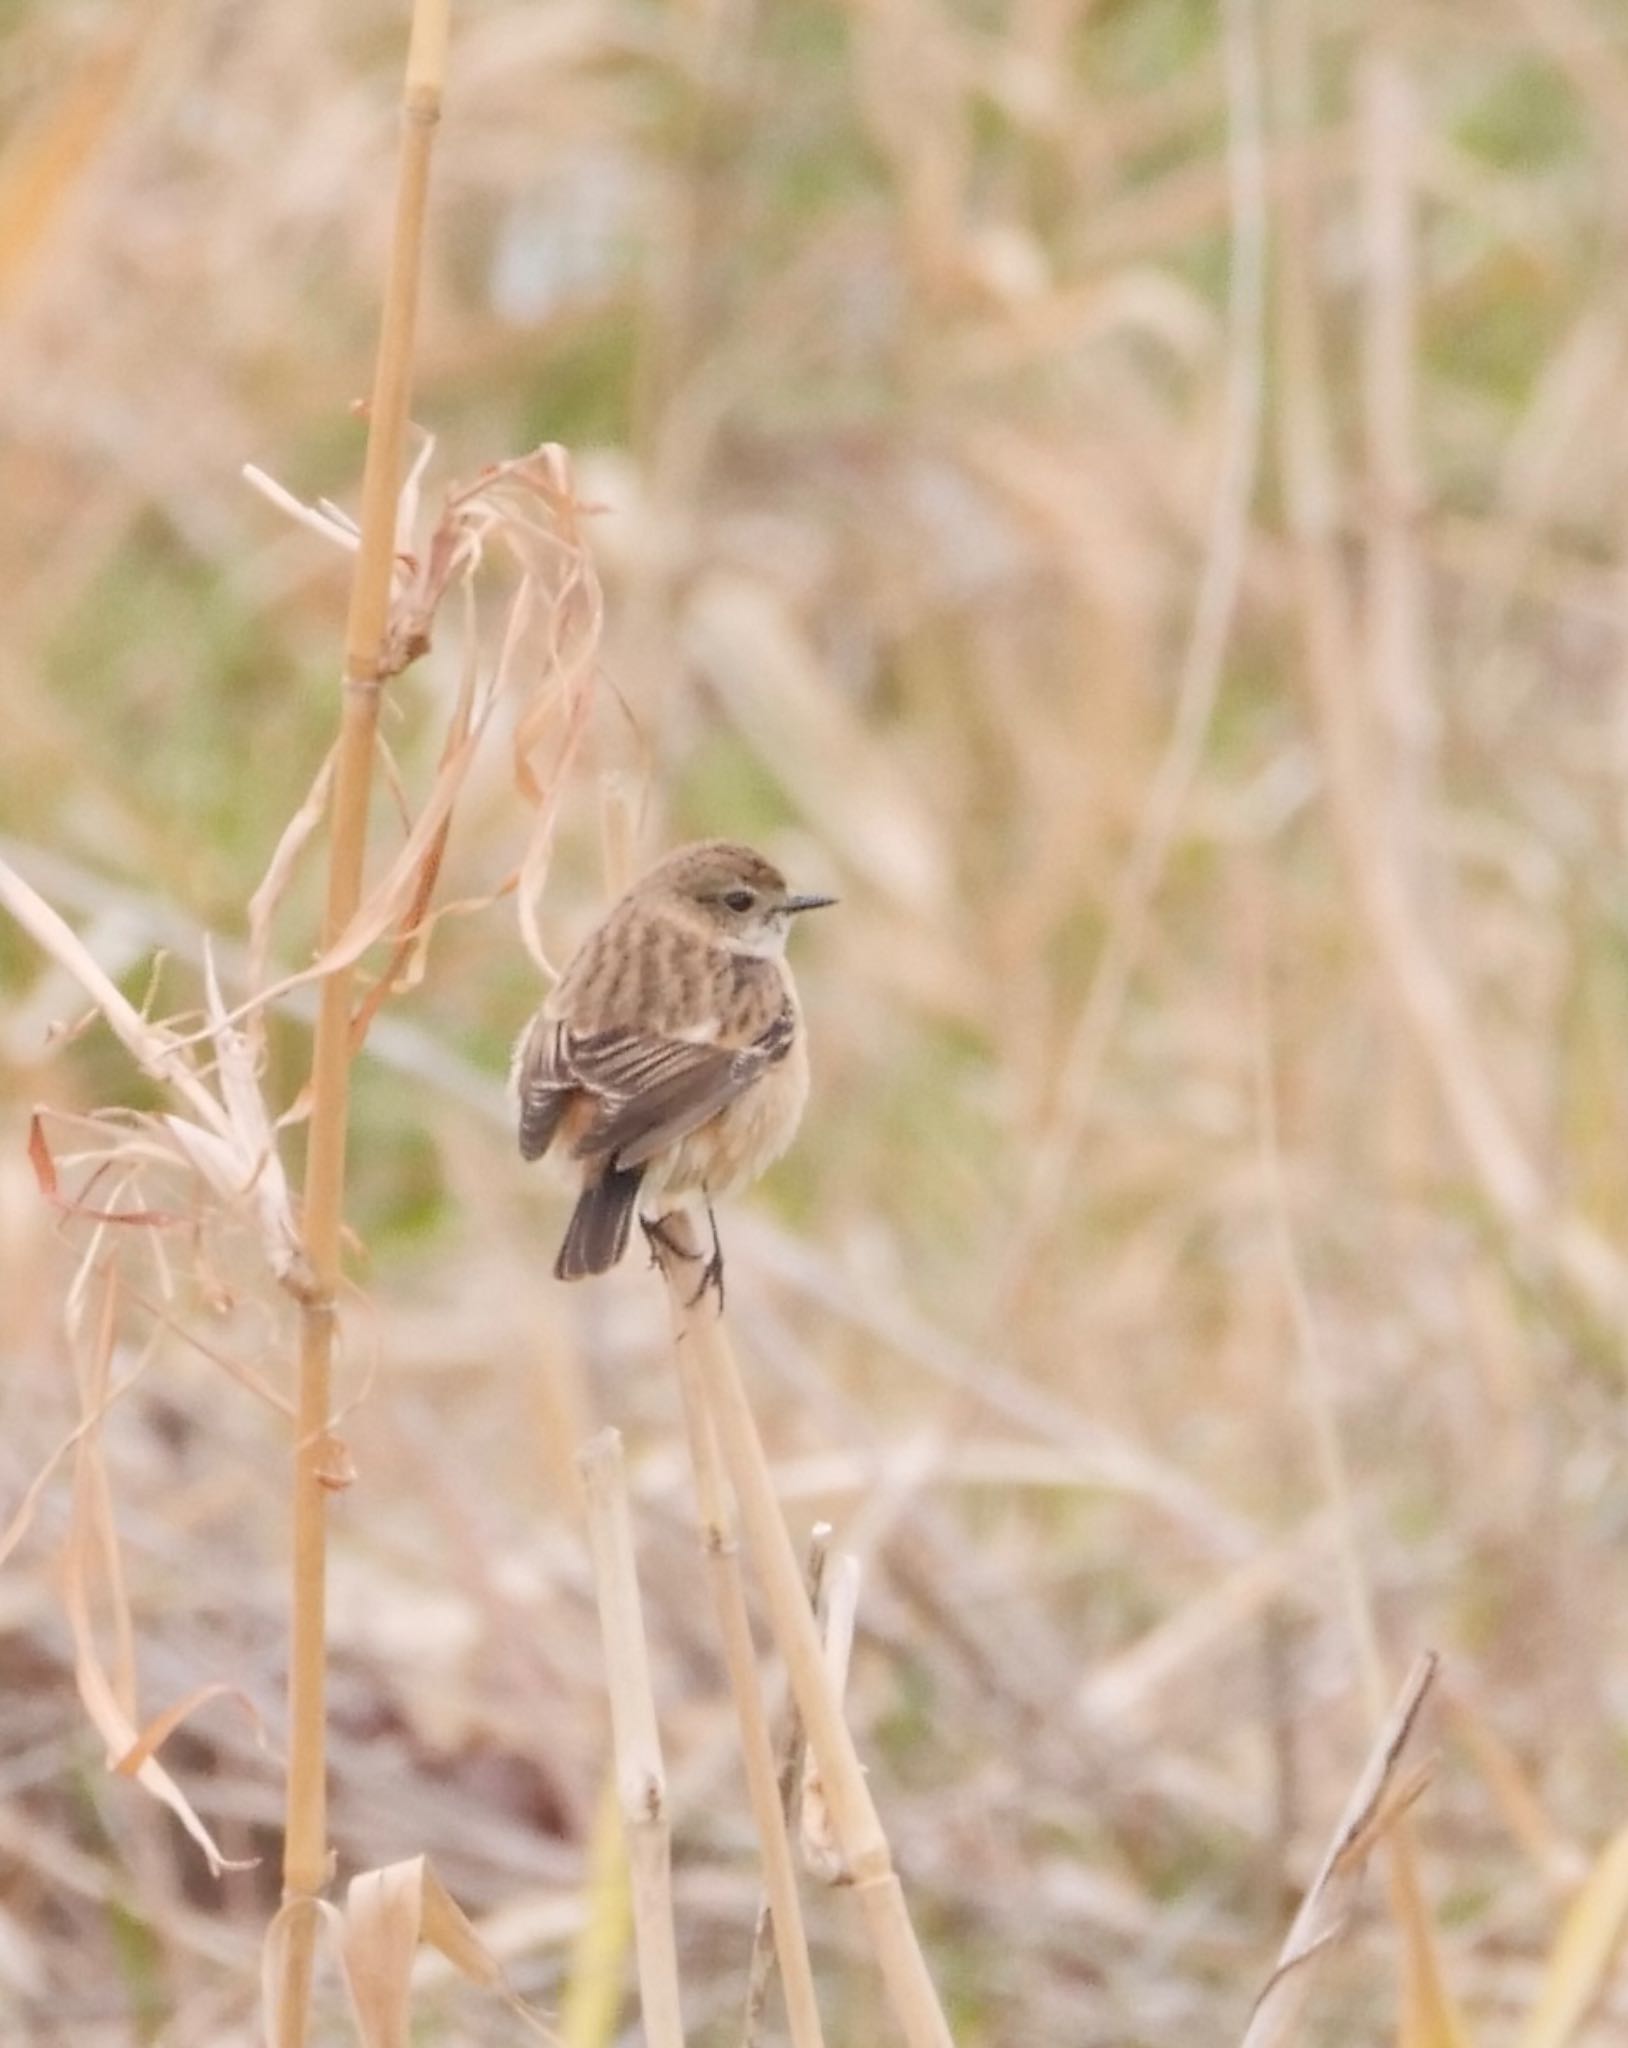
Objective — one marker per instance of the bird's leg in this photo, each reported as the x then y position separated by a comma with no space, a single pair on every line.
712,1273
659,1239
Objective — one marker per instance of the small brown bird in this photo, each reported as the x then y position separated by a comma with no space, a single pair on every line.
671,1059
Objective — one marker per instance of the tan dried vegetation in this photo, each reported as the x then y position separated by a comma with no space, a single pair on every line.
1127,493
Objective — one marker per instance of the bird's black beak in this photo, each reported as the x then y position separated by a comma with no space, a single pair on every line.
796,903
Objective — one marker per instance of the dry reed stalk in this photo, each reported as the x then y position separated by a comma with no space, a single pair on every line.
699,1332
1380,1798
722,1553
788,1772
305,1851
822,1849
640,1776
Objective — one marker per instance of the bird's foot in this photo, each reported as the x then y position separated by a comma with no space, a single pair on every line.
712,1273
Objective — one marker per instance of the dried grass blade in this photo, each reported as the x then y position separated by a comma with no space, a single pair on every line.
1513,1793
324,519
162,1726
383,1909
1430,2018
91,1533
415,923
45,1177
1585,1950
156,1051
235,1370
1326,1907
23,1516
388,1913
446,1927
264,904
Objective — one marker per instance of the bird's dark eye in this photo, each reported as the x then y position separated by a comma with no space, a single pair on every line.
738,900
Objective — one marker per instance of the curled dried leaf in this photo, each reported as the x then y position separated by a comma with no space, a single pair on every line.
388,1914
91,1559
45,1176
162,1726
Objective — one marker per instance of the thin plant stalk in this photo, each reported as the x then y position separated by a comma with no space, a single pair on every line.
722,1553
700,1332
640,1777
305,1850
788,1775
822,1846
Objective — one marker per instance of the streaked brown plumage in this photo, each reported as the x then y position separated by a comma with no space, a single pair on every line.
670,1061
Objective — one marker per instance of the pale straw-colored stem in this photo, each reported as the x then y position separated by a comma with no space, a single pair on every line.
788,1775
704,1347
822,1848
722,1554
305,1850
640,1777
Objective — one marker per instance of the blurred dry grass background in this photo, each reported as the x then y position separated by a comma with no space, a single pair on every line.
1202,699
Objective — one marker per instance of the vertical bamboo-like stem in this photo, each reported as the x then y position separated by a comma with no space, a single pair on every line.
703,1346
639,1774
722,1554
305,1851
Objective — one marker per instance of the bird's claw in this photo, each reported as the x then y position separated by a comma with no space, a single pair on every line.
712,1276
661,1241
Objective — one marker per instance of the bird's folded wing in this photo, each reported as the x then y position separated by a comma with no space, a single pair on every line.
656,1090
544,1085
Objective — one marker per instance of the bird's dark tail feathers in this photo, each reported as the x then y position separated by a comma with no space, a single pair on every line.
597,1234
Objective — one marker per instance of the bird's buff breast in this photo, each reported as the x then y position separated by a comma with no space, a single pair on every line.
739,1143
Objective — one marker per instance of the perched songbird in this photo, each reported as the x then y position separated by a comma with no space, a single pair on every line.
671,1059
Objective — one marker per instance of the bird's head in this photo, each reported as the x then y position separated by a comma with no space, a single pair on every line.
731,892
